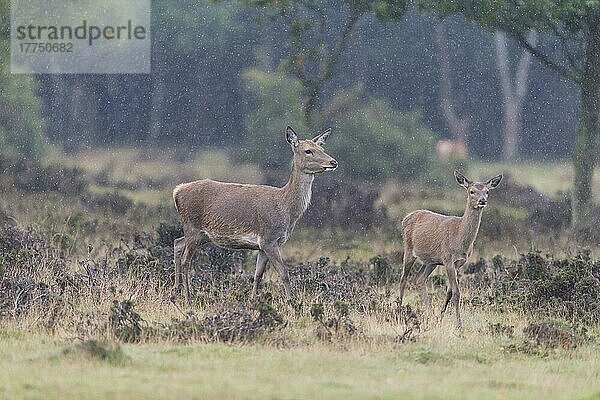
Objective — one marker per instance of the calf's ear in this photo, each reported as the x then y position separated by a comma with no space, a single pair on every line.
291,137
461,179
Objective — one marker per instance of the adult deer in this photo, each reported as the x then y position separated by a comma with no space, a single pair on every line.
437,239
254,217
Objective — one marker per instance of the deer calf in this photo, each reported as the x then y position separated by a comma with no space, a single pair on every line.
254,217
437,239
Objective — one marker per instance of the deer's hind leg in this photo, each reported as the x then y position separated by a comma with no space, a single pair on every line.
409,261
422,284
459,263
190,243
446,301
261,265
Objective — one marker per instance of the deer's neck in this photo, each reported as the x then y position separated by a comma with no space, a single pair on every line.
469,226
297,193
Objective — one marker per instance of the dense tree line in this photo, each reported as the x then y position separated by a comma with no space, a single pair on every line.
575,25
393,77
21,123
196,96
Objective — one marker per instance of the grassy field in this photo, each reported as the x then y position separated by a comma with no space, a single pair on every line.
439,365
546,177
86,309
147,178
132,165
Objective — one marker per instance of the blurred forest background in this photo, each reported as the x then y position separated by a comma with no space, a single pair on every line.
410,91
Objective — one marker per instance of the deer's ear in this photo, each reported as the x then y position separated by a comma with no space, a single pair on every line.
495,181
462,181
320,140
291,137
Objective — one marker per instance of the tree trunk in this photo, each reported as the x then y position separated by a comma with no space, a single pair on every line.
513,91
314,87
586,141
458,126
512,130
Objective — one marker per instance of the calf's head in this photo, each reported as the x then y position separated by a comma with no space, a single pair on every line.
477,191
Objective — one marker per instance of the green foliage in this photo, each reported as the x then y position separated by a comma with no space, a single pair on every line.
124,322
389,10
519,16
278,102
311,57
553,333
377,143
177,26
374,141
575,24
21,123
382,272
566,288
98,350
338,325
32,177
385,10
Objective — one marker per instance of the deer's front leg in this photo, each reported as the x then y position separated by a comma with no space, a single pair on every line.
409,260
272,252
261,265
422,284
178,247
185,264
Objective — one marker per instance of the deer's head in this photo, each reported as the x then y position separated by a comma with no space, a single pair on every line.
309,155
477,191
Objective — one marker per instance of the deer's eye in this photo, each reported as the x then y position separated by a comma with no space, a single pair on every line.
472,191
308,151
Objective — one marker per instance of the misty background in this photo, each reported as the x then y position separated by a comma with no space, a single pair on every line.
197,95
411,91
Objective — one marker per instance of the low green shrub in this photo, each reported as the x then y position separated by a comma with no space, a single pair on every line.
98,350
535,284
32,177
